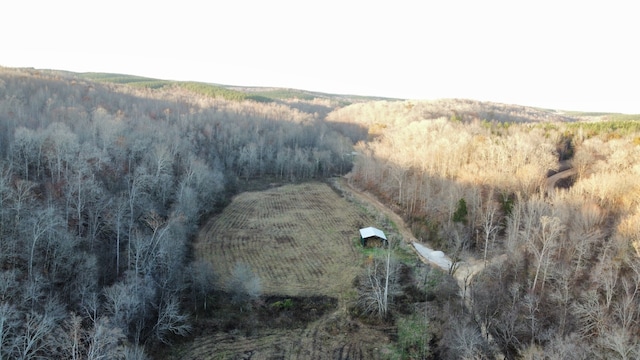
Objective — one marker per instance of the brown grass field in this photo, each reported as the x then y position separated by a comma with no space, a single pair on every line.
302,240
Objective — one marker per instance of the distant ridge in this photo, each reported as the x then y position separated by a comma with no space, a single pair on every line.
454,107
229,92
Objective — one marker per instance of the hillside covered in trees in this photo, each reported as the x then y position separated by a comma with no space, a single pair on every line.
104,184
563,263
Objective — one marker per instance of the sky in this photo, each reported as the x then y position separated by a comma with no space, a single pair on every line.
560,54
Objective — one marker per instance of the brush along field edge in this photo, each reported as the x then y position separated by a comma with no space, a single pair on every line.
299,239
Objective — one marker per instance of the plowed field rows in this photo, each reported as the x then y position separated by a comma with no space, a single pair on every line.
298,238
328,338
301,241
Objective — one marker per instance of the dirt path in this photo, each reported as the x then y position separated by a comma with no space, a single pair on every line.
367,197
464,270
553,179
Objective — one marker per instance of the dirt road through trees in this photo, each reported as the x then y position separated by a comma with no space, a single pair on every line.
463,271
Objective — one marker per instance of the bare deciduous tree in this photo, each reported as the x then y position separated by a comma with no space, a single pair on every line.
620,344
244,285
74,337
24,152
36,338
202,279
134,352
122,305
104,341
562,294
9,325
171,321
378,284
591,314
490,223
462,340
62,150
42,224
542,244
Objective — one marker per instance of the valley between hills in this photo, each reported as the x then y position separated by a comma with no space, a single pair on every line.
151,219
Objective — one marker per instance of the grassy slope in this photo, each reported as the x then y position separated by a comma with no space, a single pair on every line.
302,240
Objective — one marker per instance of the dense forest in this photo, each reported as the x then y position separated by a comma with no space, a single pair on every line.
562,262
102,188
104,185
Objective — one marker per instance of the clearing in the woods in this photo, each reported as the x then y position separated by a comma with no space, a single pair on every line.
302,241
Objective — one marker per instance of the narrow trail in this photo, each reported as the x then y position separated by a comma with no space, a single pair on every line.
553,179
464,270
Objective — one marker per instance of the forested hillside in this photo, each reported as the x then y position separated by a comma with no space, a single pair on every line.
568,287
105,184
102,188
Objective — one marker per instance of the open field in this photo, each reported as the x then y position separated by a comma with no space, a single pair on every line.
331,337
302,240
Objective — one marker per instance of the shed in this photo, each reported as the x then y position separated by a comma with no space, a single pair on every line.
372,237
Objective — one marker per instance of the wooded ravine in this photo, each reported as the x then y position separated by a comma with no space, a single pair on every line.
106,182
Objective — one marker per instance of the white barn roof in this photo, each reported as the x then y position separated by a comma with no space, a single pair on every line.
371,231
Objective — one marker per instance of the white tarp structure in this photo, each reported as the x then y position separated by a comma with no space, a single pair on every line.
371,231
434,256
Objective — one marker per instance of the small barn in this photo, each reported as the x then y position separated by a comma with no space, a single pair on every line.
372,237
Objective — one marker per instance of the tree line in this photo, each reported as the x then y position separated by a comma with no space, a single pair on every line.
102,189
103,186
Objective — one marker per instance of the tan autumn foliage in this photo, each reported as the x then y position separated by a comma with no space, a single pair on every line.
573,252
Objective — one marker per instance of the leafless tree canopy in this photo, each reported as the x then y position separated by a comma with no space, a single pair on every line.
104,186
102,189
